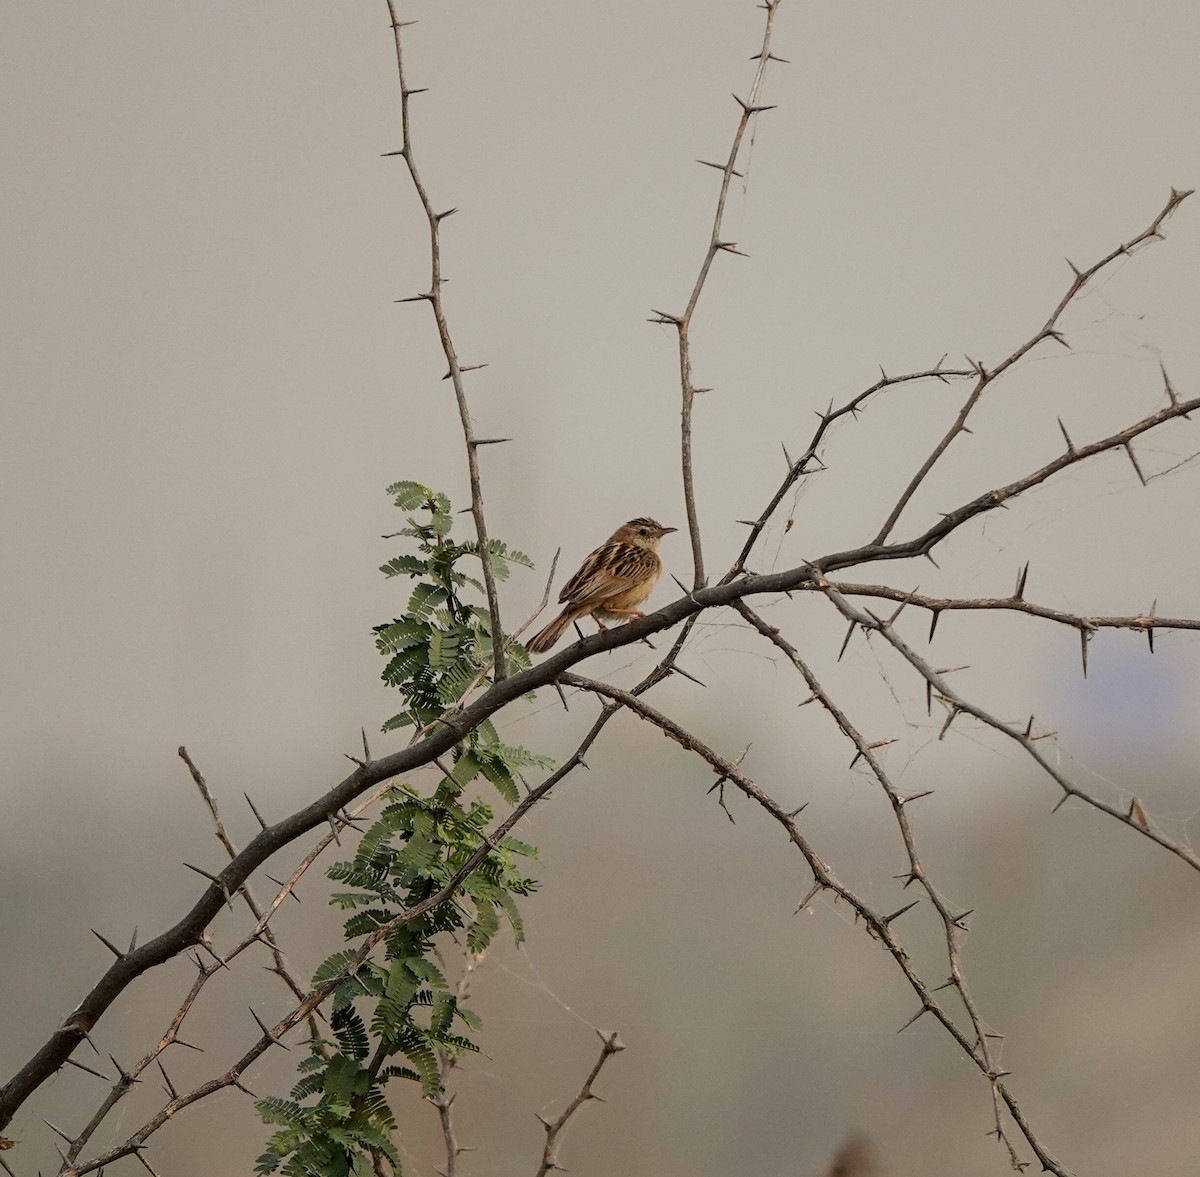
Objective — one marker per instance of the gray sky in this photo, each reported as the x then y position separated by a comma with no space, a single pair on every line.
208,387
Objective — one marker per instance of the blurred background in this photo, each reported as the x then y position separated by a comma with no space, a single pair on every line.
209,386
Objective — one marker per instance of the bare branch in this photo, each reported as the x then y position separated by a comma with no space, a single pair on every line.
1048,331
1142,622
1015,732
683,323
456,370
803,465
952,923
878,926
612,1044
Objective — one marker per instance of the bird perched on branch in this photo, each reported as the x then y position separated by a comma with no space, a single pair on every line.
612,582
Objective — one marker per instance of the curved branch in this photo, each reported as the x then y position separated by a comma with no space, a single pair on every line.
878,926
953,923
454,728
798,468
956,703
1049,330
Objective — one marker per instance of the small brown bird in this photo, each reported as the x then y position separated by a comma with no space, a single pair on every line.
612,582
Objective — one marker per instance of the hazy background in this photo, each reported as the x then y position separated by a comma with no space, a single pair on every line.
208,387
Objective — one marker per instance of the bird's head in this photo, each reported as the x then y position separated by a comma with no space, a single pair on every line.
644,533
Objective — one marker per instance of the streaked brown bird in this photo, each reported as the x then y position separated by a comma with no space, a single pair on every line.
612,582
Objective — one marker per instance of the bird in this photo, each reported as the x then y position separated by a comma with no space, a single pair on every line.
612,582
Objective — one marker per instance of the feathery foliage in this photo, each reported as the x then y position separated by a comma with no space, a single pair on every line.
396,1018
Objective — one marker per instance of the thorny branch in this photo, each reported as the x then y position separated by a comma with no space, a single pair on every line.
956,704
1049,330
136,1142
953,923
259,934
804,464
683,323
312,1001
612,1044
878,926
262,931
190,929
1146,623
735,588
456,370
444,1102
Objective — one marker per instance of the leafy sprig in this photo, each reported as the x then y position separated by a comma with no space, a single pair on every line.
397,1018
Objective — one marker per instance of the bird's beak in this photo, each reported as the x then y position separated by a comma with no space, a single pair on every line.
668,530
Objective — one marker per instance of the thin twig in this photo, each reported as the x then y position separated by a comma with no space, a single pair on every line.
612,1044
953,925
1049,330
878,926
446,1063
1023,736
1141,622
804,463
682,323
434,298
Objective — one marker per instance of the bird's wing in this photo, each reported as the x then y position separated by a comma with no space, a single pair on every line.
609,569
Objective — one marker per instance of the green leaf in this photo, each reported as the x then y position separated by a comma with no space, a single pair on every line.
514,916
495,770
428,972
351,1033
405,566
425,598
331,966
365,922
400,635
410,495
425,1060
405,666
280,1111
443,647
486,925
398,721
466,769
399,1073
309,1085
518,847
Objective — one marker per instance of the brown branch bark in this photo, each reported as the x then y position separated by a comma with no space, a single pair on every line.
612,1044
453,729
878,926
455,374
683,323
1049,330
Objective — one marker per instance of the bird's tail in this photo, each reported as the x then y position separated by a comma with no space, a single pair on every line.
542,642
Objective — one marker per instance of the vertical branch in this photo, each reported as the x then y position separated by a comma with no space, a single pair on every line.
554,1129
446,1063
455,373
683,322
